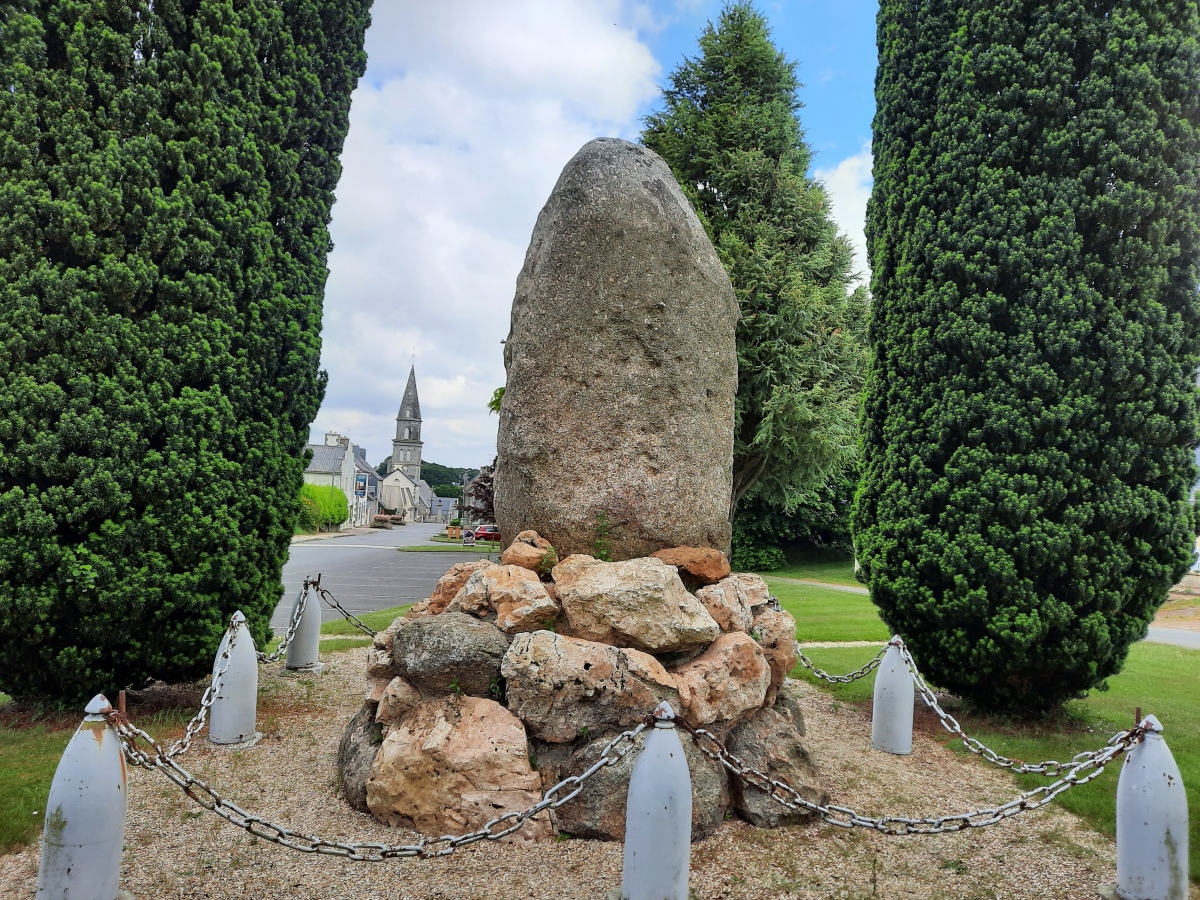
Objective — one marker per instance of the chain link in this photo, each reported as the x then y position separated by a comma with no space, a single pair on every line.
297,614
843,817
350,617
1050,767
841,679
210,695
209,798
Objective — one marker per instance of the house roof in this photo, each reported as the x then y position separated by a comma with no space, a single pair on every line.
326,459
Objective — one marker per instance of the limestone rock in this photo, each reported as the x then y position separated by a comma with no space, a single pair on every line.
451,583
776,632
638,603
728,679
770,742
375,690
532,551
727,605
511,596
451,652
356,753
563,688
621,366
599,810
787,704
704,564
397,699
451,765
753,590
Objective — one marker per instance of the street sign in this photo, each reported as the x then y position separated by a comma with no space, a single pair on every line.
468,539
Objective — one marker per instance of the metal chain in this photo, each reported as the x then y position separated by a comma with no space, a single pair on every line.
297,614
841,679
427,848
354,620
1049,767
210,695
843,817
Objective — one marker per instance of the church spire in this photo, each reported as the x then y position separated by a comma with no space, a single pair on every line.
406,447
410,406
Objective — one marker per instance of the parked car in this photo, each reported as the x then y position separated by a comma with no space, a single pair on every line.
487,533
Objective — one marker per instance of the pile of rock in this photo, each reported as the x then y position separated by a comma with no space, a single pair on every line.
512,676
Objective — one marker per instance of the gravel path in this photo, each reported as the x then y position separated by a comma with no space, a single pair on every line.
175,849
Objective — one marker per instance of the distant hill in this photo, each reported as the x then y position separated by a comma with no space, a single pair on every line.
435,474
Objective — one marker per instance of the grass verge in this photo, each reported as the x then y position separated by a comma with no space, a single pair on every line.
1159,678
818,564
824,614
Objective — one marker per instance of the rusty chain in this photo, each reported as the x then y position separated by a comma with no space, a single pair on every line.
898,826
427,848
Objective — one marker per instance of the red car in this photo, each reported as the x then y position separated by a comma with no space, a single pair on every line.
487,533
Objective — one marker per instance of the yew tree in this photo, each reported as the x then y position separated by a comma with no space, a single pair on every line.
1031,406
166,175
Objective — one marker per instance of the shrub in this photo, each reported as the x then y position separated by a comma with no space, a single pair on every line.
167,172
332,506
1031,407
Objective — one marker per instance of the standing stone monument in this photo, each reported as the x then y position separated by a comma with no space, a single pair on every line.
618,411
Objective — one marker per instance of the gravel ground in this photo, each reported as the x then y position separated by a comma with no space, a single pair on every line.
175,849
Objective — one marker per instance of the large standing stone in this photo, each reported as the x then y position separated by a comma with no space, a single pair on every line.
621,366
452,765
637,603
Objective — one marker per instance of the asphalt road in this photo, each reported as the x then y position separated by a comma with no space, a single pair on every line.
365,571
1176,636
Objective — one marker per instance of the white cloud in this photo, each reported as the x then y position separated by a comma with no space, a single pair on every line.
849,187
467,114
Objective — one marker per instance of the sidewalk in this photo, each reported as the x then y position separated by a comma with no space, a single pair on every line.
324,536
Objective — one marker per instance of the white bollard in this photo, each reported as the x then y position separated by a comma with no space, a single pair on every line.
302,651
84,826
895,696
235,707
658,817
1152,822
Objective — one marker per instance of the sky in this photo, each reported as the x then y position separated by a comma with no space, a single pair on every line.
467,113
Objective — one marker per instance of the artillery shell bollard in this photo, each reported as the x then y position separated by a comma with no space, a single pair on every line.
235,707
302,651
658,818
895,696
84,826
1152,822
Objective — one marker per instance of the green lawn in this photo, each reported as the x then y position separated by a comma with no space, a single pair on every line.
823,614
1159,678
816,564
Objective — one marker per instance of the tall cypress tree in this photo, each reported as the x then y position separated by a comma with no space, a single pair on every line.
729,131
166,177
1031,405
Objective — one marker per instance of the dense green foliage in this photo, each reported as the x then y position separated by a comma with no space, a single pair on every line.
1031,407
329,505
448,490
729,131
434,475
820,517
166,176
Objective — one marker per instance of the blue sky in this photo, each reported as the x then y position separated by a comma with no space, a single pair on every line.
468,111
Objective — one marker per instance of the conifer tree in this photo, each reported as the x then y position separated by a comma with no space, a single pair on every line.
1031,404
167,171
729,131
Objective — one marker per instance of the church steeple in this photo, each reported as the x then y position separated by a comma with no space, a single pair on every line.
406,447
